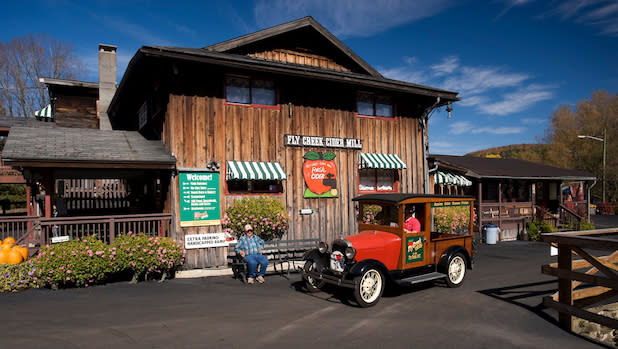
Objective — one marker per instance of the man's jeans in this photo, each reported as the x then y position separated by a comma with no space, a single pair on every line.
253,260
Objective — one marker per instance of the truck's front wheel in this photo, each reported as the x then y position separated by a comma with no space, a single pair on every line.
312,284
368,288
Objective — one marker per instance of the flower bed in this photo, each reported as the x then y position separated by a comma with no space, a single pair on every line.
88,261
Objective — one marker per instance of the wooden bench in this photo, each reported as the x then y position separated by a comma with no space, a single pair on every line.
280,253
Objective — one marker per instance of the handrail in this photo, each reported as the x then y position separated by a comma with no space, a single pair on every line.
600,278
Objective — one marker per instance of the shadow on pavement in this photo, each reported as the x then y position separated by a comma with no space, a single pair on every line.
528,296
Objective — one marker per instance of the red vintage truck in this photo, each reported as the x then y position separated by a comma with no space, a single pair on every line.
402,238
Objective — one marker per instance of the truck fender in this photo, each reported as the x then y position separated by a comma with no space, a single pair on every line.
321,259
362,266
446,256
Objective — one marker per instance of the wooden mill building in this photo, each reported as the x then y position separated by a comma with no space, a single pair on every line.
257,105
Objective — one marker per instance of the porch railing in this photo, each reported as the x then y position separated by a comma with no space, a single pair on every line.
569,218
586,281
15,226
105,228
40,230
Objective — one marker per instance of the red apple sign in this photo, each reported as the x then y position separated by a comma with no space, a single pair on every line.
320,172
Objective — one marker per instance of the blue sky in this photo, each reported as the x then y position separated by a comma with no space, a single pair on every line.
512,61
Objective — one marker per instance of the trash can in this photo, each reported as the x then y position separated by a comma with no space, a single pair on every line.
491,233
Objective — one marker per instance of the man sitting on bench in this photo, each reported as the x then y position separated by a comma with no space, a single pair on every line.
251,247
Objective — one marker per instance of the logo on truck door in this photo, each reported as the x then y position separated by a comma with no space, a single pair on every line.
414,249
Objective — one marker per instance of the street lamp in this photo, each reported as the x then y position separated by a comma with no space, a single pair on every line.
604,140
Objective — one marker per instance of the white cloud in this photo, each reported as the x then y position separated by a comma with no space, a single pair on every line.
475,80
447,66
463,127
599,13
529,121
346,18
519,100
469,101
499,130
488,88
460,127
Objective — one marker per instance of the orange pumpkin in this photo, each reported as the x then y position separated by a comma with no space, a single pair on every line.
14,257
9,240
5,247
4,256
23,251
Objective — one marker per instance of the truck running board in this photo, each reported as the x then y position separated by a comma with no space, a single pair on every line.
421,278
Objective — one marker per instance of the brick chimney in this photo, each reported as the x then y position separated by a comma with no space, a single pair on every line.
107,82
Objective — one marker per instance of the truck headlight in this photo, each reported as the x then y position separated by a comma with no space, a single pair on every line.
322,247
350,253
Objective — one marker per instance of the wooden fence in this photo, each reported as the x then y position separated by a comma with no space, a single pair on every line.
586,281
40,231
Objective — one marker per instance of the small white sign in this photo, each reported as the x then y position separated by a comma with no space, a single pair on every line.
553,251
205,240
57,239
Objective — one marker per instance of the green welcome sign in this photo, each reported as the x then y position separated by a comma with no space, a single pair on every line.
199,199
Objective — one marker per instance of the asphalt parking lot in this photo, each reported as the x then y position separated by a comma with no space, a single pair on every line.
497,307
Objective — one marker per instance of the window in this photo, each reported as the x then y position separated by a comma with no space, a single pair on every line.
237,186
374,105
247,91
377,180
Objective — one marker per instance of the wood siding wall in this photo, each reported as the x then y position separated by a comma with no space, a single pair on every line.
76,111
289,56
199,128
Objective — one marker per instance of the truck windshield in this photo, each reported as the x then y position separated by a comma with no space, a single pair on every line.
379,214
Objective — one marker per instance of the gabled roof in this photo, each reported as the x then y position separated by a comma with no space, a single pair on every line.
71,147
508,168
305,22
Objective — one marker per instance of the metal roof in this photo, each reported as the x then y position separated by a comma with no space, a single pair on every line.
478,167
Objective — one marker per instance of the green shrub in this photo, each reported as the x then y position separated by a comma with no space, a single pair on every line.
16,277
586,225
534,233
73,263
547,227
146,257
267,216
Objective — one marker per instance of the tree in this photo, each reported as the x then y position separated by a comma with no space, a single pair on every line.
590,118
23,61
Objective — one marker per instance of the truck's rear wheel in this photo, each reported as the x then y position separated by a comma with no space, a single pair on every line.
456,271
368,288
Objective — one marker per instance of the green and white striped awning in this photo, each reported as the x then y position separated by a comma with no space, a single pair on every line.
45,113
451,179
381,161
253,170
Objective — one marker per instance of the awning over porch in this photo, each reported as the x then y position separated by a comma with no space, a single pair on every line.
253,170
45,113
381,161
451,179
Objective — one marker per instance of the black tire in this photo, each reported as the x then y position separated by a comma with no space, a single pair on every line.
311,284
368,287
456,270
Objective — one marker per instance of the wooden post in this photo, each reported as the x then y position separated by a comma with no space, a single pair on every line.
565,285
479,212
112,230
47,206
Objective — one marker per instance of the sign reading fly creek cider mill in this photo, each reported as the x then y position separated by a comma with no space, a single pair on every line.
199,199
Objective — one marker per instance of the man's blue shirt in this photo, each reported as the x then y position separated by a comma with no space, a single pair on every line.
248,245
